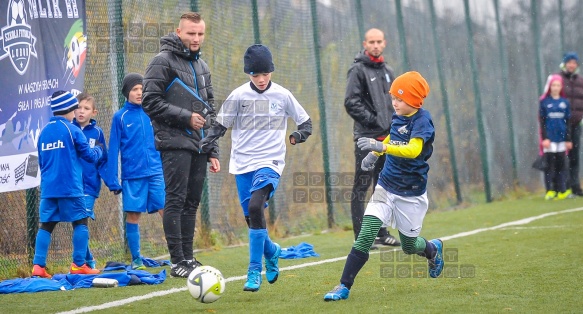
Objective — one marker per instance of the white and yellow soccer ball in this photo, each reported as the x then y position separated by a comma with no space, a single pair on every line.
206,284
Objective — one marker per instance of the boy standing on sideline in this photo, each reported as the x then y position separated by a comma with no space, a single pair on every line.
554,115
257,112
367,101
142,180
60,144
92,172
178,133
400,199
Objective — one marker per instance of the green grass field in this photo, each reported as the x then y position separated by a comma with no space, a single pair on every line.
528,267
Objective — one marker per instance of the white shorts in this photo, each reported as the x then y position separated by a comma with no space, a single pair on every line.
403,213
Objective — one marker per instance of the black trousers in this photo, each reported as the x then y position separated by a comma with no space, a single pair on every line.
184,175
573,177
362,181
556,173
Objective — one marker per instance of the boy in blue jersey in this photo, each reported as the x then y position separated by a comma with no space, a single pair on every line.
554,114
60,144
142,186
400,198
92,173
257,112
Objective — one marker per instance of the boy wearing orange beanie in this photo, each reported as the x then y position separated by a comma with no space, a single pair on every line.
400,198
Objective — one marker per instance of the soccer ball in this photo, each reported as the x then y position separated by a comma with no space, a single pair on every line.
206,284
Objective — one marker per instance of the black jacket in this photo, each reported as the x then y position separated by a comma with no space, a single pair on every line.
573,89
171,122
367,98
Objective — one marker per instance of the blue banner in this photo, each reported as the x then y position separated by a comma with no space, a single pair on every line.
42,50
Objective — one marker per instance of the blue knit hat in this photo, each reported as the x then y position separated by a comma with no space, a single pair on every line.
63,102
257,60
571,55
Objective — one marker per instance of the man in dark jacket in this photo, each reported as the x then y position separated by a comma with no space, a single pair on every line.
368,102
178,129
573,88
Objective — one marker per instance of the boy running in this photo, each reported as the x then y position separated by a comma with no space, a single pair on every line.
257,112
400,198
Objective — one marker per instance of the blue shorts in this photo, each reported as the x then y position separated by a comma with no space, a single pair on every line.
89,203
65,209
250,182
143,195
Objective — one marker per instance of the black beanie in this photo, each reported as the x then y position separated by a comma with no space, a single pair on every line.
129,81
257,60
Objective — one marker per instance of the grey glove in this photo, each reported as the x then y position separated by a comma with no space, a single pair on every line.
370,144
368,162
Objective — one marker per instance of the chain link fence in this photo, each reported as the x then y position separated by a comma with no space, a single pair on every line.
484,60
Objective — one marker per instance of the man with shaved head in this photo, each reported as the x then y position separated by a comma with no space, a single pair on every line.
368,102
178,129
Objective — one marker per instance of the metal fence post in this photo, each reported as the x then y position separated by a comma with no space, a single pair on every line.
478,104
322,108
402,39
445,98
31,221
507,100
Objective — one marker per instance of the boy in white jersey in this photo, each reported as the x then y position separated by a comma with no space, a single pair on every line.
257,112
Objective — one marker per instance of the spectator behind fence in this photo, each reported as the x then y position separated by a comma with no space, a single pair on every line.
142,186
368,102
92,173
61,146
554,114
573,89
178,132
258,151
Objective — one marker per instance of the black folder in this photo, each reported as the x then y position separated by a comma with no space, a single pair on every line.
179,94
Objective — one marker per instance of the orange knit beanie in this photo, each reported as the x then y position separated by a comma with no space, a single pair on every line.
411,87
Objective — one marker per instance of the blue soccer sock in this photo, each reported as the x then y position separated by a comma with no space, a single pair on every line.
80,242
256,245
41,247
268,247
133,236
88,255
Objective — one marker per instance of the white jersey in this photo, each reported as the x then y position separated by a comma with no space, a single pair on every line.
259,123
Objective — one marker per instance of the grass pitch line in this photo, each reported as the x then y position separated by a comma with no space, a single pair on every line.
510,224
117,303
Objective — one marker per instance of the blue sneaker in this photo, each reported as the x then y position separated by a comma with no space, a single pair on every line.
138,264
271,268
253,281
436,264
340,292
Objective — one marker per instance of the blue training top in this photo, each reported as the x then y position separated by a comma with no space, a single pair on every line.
554,115
408,176
131,135
92,173
60,144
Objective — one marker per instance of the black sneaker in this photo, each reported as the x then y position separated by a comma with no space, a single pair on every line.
181,270
388,240
194,263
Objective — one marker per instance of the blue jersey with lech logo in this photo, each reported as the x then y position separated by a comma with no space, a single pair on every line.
408,176
61,146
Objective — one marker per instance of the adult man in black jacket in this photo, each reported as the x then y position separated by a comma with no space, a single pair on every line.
178,130
368,102
573,89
